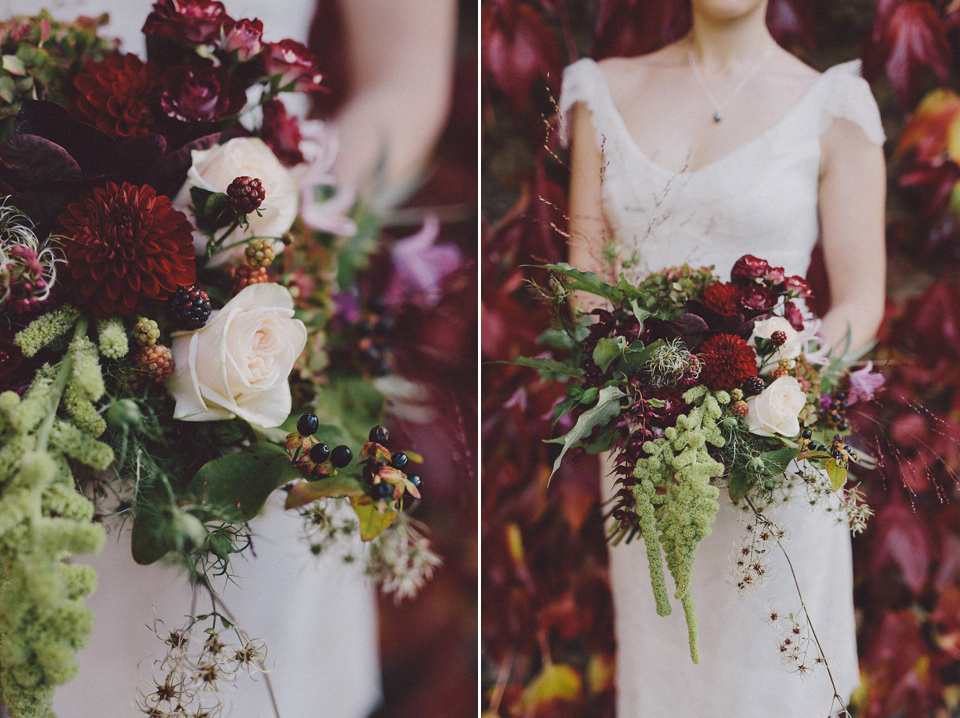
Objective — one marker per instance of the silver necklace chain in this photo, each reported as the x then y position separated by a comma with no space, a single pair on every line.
718,106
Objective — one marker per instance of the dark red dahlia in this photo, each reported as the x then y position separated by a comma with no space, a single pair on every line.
194,22
295,63
199,94
798,286
722,298
244,37
792,314
727,361
125,245
757,297
115,95
281,132
748,268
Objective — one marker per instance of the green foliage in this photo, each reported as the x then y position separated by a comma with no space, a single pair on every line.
350,402
677,503
608,407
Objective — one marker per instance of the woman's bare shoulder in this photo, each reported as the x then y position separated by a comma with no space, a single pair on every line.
624,74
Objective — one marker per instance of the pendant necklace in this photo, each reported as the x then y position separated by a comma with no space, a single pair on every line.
718,106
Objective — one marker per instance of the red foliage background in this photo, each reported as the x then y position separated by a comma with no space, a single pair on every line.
544,585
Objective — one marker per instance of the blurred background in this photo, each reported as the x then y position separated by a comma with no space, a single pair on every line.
546,633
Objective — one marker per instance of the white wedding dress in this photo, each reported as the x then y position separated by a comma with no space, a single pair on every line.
759,199
318,618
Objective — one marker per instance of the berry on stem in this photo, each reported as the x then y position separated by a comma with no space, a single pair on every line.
398,460
245,194
379,434
189,307
341,456
307,424
320,453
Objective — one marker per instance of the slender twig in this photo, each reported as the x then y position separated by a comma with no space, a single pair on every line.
813,631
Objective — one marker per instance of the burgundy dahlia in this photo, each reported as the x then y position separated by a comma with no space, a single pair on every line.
125,245
727,361
748,268
295,63
722,298
115,95
199,94
194,22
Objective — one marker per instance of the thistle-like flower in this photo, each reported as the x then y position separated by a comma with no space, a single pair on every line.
28,265
401,559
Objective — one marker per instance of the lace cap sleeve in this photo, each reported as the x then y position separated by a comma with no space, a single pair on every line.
849,97
582,82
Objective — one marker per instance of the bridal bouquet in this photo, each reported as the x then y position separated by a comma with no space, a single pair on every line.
163,360
699,385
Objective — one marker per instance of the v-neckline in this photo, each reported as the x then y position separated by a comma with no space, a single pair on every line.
631,140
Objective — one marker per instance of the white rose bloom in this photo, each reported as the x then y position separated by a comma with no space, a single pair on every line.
214,169
776,409
238,364
790,349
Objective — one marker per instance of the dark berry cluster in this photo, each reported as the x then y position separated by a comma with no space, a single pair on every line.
245,194
369,341
383,470
836,415
189,307
753,386
313,454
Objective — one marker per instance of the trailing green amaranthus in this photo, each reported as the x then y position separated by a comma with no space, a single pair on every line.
676,502
43,522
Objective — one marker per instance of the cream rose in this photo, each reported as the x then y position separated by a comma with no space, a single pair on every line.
790,349
776,409
238,364
214,169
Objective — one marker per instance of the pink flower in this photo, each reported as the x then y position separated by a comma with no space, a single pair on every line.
244,37
295,63
193,22
793,315
420,266
756,297
324,204
798,286
775,275
865,383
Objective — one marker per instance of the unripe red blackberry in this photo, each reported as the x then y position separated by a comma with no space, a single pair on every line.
189,307
146,332
740,408
245,276
259,253
779,373
778,338
154,363
245,194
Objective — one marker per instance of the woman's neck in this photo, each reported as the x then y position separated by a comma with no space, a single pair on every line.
722,44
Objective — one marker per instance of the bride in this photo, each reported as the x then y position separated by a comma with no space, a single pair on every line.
719,145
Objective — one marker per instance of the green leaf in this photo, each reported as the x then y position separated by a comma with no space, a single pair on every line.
151,538
14,65
238,484
637,355
372,522
607,408
739,484
556,682
556,339
306,492
586,282
608,351
550,366
776,462
589,396
837,474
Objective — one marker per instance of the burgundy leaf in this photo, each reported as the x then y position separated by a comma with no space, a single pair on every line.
902,540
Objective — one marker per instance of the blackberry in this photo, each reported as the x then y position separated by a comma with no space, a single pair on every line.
189,307
778,338
341,456
379,434
398,460
320,453
753,386
307,424
245,194
383,490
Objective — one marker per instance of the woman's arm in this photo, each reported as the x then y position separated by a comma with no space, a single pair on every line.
852,200
589,231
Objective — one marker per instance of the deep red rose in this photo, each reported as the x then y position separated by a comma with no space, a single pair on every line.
194,22
199,94
295,63
245,37
125,245
798,287
115,95
756,297
727,361
281,132
748,268
792,314
722,298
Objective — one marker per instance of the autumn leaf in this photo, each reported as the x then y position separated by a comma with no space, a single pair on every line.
556,682
901,540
